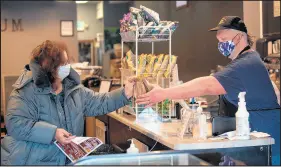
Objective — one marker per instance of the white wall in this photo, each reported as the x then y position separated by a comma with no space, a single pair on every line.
88,12
40,21
252,12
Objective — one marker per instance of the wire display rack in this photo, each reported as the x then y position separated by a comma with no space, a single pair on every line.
149,34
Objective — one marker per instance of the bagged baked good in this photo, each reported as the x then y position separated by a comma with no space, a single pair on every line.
148,58
170,66
126,22
140,20
124,63
131,66
174,26
142,63
130,60
131,57
163,66
150,14
150,65
147,31
157,65
161,25
141,87
164,107
164,23
134,10
164,33
131,28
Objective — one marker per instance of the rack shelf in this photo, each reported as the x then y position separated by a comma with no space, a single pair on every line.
147,34
147,40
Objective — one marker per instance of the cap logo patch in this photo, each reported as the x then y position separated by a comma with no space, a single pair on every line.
222,21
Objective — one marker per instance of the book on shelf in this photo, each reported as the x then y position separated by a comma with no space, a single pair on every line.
79,147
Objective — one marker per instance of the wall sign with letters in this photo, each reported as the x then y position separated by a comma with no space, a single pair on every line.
16,25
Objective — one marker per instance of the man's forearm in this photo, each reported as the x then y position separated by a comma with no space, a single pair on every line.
194,88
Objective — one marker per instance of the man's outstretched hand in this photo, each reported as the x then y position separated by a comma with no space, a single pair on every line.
154,94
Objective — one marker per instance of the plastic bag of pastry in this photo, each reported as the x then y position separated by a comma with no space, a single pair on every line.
142,63
145,75
147,30
165,31
131,28
134,10
131,57
148,57
134,22
141,87
140,20
156,69
161,25
174,26
147,85
167,27
151,15
170,66
157,65
131,60
163,66
131,66
124,63
150,65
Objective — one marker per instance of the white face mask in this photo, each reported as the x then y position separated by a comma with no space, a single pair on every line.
63,71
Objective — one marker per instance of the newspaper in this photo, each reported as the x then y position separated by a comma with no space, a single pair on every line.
79,147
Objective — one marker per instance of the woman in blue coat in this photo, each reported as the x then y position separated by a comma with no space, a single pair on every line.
48,103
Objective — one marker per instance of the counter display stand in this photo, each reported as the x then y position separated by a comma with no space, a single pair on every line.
159,34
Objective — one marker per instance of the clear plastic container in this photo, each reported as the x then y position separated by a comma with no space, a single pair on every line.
199,130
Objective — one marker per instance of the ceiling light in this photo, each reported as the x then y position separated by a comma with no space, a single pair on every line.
81,1
117,2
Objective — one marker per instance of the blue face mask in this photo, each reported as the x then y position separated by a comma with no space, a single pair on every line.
227,47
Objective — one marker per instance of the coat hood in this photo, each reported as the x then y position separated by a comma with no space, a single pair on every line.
34,72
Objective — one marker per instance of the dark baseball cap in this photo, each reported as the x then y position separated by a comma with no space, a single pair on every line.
231,22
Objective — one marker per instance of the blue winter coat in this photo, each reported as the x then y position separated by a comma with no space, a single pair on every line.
34,113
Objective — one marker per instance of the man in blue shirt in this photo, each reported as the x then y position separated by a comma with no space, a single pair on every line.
245,73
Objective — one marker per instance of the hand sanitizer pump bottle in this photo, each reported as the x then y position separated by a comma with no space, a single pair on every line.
242,119
133,149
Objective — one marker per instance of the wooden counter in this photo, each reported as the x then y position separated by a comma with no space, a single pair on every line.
165,133
162,136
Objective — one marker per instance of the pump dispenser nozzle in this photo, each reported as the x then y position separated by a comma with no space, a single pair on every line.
132,142
241,96
199,109
242,102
